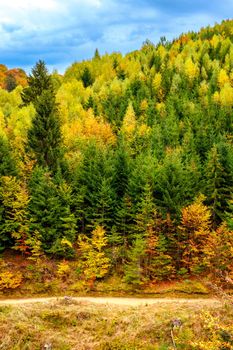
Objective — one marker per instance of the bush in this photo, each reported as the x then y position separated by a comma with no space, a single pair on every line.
9,280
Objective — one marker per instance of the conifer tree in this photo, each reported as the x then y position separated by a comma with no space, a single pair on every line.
50,213
219,180
38,81
44,136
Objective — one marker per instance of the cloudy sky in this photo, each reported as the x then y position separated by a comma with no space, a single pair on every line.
63,31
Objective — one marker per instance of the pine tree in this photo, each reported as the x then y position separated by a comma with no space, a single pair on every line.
44,137
134,268
219,180
50,213
38,82
86,77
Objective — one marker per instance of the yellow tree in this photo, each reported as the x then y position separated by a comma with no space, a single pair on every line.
95,263
129,122
14,199
194,230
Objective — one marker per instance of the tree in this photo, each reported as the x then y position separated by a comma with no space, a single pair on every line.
95,262
44,136
194,233
134,269
38,82
10,82
86,77
219,180
50,213
97,54
14,223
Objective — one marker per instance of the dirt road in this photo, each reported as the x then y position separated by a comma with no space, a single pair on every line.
114,301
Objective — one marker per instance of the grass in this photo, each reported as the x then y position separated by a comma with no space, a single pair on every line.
84,326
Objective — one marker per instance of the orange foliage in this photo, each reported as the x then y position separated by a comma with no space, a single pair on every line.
18,73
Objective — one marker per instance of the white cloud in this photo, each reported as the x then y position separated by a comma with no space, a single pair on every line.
62,31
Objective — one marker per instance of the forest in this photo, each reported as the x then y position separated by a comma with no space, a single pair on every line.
123,164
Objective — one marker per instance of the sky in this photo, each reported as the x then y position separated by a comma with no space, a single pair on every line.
61,32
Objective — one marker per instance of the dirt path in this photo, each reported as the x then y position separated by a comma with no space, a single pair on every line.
112,300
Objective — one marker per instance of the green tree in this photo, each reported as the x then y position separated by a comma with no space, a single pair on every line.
44,136
7,163
219,180
134,267
38,81
50,213
10,82
86,77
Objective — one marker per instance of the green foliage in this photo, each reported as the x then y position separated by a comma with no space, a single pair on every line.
125,143
50,213
44,137
133,269
38,82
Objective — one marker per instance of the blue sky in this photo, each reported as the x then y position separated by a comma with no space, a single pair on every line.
63,31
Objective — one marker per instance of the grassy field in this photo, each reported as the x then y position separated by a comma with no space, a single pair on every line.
71,325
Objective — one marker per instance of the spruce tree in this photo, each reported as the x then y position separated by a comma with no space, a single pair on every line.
38,81
50,213
44,137
219,180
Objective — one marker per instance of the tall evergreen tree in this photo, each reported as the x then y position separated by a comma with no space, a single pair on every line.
219,180
44,137
38,81
50,213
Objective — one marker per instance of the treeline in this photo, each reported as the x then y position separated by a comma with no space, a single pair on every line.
135,152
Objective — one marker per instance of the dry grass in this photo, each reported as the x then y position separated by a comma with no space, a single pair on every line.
84,326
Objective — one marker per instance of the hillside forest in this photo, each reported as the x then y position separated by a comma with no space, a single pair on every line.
124,164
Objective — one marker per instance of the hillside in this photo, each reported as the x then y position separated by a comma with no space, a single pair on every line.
123,166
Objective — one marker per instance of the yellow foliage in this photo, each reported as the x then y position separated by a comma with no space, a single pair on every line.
195,229
216,97
63,269
160,106
95,262
129,121
191,70
15,198
66,242
88,127
215,40
157,81
203,89
144,105
162,51
226,96
222,78
143,130
9,280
